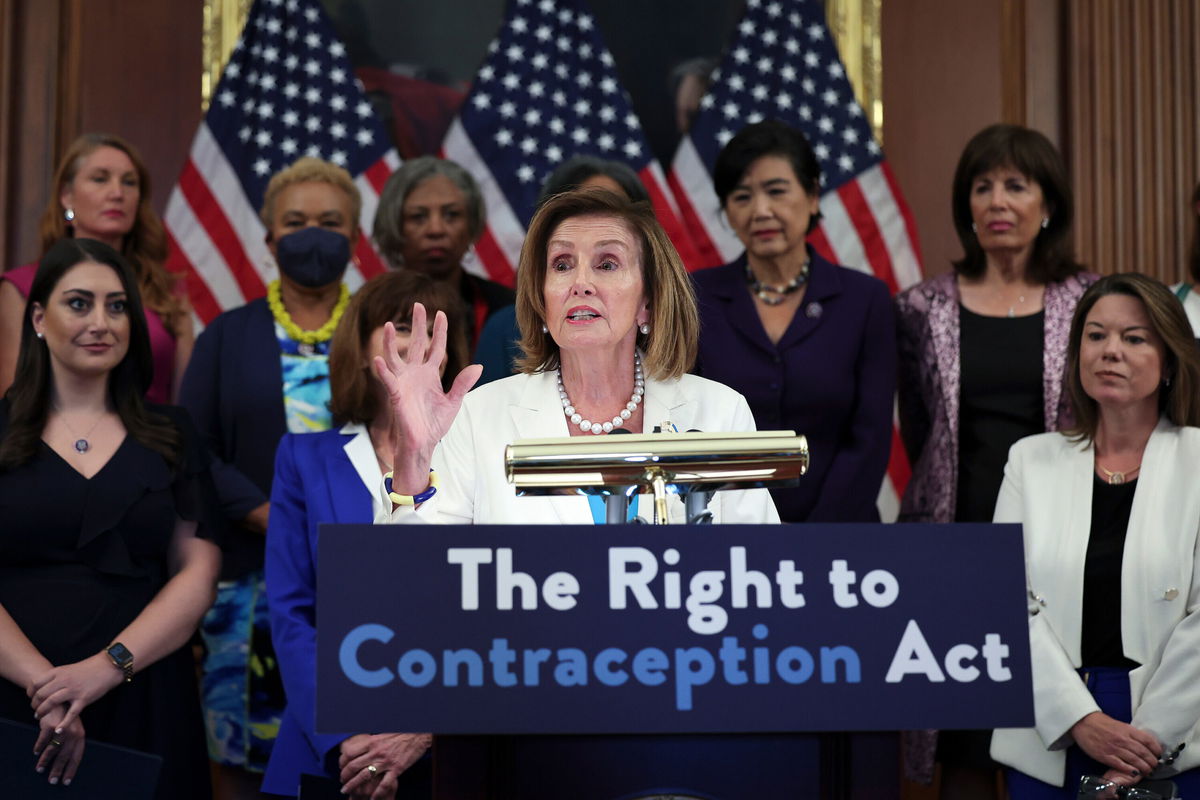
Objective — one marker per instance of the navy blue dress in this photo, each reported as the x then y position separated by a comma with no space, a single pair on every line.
79,560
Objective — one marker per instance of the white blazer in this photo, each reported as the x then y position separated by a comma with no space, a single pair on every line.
1048,487
470,459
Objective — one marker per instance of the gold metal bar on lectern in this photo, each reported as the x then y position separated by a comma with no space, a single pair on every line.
680,461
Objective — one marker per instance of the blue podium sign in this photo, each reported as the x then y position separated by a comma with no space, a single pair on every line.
618,629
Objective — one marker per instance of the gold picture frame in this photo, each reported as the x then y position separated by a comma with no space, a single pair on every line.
854,23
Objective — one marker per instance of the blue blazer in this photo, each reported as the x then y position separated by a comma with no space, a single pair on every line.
831,377
315,482
233,388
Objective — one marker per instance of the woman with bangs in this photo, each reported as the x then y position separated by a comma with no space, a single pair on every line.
334,477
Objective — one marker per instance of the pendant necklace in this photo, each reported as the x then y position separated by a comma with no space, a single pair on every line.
774,295
82,445
1012,313
1115,478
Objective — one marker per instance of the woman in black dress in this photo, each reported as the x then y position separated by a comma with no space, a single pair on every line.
105,560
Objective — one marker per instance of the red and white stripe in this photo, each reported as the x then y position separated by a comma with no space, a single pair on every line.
498,250
218,240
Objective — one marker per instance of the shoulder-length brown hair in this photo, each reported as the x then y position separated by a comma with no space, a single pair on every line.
670,347
1179,396
144,247
387,298
1031,154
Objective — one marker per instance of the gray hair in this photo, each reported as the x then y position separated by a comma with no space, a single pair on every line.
388,231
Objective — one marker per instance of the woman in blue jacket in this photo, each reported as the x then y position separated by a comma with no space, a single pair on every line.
333,476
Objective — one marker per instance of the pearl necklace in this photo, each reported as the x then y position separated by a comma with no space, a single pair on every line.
639,389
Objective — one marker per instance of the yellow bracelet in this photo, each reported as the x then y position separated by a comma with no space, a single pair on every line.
411,499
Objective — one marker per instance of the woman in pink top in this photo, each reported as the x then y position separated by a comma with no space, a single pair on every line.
103,193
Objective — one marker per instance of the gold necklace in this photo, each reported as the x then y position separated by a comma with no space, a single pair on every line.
294,331
1118,477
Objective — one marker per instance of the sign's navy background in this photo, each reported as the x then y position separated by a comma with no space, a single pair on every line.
959,582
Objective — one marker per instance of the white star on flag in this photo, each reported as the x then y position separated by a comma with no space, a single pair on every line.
866,224
267,112
552,63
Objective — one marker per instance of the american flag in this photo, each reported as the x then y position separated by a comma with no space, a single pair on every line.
288,91
783,64
546,91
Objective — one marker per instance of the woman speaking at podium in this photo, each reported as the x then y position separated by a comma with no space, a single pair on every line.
609,329
1112,544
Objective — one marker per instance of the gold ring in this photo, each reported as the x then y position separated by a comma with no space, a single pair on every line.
371,768
55,743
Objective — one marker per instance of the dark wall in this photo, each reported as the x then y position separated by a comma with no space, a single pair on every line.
130,67
447,45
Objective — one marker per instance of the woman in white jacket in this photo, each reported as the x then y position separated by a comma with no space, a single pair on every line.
609,329
1111,513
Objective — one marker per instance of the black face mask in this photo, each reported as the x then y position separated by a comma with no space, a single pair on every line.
313,257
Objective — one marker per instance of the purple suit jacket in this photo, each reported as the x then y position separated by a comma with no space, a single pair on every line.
831,377
928,392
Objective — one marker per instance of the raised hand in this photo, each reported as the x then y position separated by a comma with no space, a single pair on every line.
421,411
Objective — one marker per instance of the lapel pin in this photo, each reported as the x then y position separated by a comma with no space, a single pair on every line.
813,310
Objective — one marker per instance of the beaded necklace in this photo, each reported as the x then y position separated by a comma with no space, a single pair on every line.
774,295
294,331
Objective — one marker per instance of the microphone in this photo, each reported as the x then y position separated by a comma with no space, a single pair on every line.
695,502
616,506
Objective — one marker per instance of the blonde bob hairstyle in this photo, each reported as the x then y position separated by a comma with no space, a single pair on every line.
310,170
1179,394
670,347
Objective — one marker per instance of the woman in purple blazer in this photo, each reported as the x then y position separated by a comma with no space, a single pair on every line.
810,344
982,357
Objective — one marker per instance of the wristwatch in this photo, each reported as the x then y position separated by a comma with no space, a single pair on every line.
122,659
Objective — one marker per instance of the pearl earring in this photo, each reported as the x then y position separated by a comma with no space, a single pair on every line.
644,328
974,228
544,328
1045,223
40,335
69,215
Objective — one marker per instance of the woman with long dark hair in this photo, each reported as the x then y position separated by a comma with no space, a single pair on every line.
105,561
